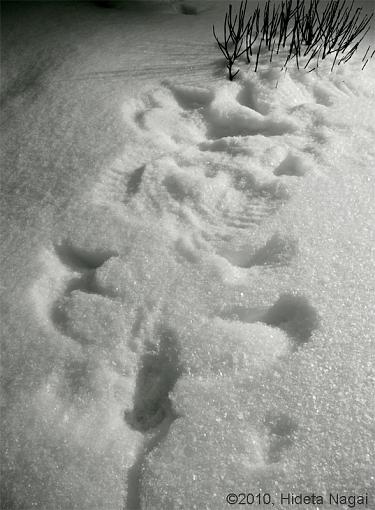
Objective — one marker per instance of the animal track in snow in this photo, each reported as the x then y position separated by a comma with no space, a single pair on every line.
160,369
207,177
291,313
250,96
191,98
292,165
281,428
244,122
105,331
83,262
278,250
235,110
240,203
134,181
295,315
216,201
213,198
150,102
82,258
152,411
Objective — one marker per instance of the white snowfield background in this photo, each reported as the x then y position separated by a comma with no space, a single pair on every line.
187,266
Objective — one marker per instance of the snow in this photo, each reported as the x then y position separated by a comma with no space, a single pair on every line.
188,273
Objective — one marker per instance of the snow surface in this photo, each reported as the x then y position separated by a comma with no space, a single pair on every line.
188,273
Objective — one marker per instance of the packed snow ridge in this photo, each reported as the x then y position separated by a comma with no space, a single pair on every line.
207,305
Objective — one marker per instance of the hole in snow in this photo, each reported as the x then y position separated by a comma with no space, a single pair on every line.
281,429
295,315
160,369
78,257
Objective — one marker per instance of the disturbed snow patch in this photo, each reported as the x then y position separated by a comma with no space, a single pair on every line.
199,306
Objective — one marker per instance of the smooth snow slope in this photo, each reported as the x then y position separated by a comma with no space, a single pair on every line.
190,312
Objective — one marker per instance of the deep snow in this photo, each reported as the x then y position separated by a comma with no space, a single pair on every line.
188,267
